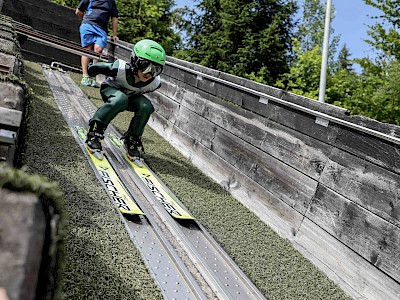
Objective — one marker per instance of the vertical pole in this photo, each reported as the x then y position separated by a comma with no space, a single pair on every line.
325,50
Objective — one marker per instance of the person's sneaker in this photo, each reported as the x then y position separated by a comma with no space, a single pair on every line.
86,80
93,82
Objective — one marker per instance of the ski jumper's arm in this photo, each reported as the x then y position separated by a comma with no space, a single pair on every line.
108,69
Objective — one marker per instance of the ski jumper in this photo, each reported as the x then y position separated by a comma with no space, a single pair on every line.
120,92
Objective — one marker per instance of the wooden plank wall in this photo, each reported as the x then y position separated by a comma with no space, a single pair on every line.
48,17
333,191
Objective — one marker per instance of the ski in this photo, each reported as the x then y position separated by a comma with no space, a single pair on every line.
152,183
110,180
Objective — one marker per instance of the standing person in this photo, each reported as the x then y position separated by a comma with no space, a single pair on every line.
93,29
123,90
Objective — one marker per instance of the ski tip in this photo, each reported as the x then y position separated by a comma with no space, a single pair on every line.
98,154
138,162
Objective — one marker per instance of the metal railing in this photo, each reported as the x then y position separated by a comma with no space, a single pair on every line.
264,98
56,42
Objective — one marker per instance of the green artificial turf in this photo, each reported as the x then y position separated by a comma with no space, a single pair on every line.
277,269
99,261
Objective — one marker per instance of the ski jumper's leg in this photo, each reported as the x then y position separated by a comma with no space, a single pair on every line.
115,102
142,108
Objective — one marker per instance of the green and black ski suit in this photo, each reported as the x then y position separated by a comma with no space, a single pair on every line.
120,93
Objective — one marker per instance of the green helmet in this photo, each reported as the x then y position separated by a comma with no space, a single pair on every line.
148,56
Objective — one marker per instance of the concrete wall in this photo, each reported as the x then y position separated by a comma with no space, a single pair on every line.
24,222
23,231
330,189
12,95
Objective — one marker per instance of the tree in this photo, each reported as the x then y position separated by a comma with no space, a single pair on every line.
385,36
246,38
151,19
311,28
140,19
304,75
344,63
68,3
376,92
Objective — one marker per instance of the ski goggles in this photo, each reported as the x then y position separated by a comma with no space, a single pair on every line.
147,66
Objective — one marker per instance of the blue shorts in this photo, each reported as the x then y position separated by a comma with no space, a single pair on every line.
92,34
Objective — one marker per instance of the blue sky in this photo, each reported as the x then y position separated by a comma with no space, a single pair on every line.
350,22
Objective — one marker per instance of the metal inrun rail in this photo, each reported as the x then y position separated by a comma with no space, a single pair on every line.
174,279
217,270
216,267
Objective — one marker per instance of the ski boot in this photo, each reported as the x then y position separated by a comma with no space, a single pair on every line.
93,138
132,144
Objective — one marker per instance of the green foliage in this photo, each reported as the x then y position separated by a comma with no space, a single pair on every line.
18,180
68,3
248,38
139,19
343,60
303,77
376,92
152,19
385,36
341,85
311,28
254,40
342,81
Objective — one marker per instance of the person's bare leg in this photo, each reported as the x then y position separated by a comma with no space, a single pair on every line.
86,60
97,49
